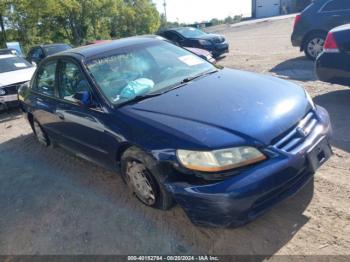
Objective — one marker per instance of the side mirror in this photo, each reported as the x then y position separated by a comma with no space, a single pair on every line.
83,98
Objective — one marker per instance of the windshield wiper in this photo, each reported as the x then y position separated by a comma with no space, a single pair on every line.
140,98
189,79
185,82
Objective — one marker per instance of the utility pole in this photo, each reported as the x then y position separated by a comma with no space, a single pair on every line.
166,18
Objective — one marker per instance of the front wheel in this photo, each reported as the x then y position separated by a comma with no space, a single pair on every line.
314,45
143,176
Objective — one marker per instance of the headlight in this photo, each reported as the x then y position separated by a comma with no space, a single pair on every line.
204,42
219,160
2,92
309,98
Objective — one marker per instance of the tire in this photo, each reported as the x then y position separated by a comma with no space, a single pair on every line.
313,45
40,134
144,177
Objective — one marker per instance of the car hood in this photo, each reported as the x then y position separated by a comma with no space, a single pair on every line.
227,108
18,76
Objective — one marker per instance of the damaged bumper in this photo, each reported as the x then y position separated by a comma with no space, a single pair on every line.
240,199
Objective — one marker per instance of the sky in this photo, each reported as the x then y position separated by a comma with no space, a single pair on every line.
190,11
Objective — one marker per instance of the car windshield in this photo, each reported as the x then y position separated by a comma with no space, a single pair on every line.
190,32
12,63
149,69
50,50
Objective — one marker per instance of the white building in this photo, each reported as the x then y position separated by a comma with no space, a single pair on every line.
268,8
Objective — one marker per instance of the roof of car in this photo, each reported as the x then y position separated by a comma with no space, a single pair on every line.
54,44
176,28
49,45
90,51
341,28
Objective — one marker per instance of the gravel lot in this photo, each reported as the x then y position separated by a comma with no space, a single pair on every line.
54,203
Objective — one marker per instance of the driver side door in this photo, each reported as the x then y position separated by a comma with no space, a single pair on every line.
83,126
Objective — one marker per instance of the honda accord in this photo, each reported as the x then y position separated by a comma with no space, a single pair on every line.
225,145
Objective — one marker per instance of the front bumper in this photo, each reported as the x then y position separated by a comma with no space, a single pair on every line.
334,68
297,39
242,198
220,49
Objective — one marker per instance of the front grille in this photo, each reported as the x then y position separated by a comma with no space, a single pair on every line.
11,89
297,135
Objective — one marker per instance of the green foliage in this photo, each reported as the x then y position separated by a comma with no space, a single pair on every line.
34,22
233,19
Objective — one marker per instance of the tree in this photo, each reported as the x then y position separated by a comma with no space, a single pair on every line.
215,21
3,7
136,17
76,21
229,20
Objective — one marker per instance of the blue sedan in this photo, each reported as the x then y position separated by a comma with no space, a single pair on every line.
225,145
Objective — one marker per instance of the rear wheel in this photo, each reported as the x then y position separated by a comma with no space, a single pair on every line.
40,134
143,176
314,45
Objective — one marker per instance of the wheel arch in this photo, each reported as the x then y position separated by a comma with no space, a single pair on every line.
30,118
121,149
312,32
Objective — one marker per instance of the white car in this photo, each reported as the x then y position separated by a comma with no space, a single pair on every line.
14,72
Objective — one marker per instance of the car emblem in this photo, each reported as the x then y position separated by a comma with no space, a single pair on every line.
302,132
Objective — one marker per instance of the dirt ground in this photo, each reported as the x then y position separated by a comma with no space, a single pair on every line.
54,203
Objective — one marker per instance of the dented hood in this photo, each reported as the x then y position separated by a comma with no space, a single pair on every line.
227,104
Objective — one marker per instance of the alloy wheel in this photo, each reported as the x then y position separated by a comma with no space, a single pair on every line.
315,46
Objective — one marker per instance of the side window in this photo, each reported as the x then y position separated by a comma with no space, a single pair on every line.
45,79
173,37
336,5
71,80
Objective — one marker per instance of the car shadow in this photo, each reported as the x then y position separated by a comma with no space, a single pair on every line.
338,106
300,69
55,203
10,114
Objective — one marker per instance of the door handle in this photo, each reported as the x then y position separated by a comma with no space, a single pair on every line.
60,116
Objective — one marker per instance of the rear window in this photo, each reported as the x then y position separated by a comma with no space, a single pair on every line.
50,50
13,63
336,5
190,32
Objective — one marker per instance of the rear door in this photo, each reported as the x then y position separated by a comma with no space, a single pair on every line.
82,127
43,98
335,13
